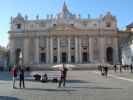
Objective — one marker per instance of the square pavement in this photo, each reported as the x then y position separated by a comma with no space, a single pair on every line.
81,85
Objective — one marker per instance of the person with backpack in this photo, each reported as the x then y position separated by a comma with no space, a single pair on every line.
14,75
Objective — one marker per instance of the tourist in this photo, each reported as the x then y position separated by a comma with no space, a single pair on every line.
131,68
105,71
44,78
14,74
63,76
100,68
21,77
120,68
115,67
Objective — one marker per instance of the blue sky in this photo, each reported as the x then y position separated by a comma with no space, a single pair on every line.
122,9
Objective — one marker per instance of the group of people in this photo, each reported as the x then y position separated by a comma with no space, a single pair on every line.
18,71
123,67
104,69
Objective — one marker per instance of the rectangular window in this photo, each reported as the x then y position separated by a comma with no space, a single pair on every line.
18,26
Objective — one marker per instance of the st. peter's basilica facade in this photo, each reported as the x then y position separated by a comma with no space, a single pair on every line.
64,38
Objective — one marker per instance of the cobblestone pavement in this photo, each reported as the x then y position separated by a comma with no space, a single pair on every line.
81,85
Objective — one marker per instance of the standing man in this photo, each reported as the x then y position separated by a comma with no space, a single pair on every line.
63,76
131,68
21,77
14,74
106,70
115,67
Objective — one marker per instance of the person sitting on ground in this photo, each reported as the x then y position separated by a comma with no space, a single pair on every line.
44,78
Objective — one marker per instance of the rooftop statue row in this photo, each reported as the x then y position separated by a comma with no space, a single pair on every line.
63,14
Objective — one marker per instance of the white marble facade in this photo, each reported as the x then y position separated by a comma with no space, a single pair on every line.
64,38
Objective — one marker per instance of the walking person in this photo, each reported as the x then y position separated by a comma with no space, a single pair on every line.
106,70
131,68
21,77
14,75
63,76
100,68
115,67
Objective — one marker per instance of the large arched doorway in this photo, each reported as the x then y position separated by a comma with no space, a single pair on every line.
109,55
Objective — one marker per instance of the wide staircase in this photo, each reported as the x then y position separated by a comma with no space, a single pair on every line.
75,67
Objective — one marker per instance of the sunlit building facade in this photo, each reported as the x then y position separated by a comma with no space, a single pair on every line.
64,38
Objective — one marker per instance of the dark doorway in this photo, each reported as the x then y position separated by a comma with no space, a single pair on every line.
73,59
109,55
17,52
43,58
55,59
85,57
64,57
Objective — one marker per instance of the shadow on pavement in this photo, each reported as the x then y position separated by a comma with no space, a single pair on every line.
97,87
51,90
77,81
8,98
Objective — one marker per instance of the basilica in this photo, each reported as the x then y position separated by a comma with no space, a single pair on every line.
64,38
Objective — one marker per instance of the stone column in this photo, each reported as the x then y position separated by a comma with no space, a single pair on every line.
51,49
47,50
69,50
80,51
37,50
90,49
26,51
115,51
58,39
12,51
76,49
102,50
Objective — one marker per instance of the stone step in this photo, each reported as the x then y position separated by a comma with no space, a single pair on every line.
77,67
